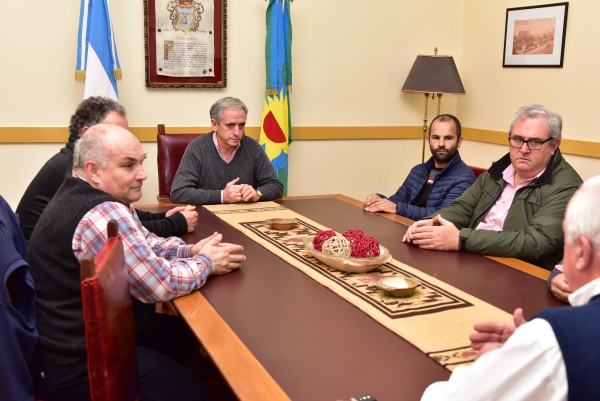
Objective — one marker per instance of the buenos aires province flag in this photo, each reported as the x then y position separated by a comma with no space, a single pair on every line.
276,127
97,60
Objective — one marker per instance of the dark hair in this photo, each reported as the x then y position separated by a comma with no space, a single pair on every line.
92,111
444,118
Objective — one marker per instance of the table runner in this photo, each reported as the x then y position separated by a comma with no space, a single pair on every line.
437,318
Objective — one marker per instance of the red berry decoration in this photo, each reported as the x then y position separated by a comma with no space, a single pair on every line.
353,235
364,247
321,237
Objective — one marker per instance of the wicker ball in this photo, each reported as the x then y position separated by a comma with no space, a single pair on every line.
337,246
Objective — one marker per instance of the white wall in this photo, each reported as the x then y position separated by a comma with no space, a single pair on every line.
494,93
350,59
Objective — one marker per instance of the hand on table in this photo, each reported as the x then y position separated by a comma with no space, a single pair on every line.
437,234
375,203
231,193
492,335
225,257
190,214
248,193
559,286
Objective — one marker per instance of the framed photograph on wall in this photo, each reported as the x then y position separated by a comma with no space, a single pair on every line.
185,42
535,36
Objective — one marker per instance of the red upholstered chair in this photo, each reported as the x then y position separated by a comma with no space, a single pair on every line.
478,170
108,317
170,152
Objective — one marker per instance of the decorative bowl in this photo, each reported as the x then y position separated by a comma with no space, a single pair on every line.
281,224
350,265
398,286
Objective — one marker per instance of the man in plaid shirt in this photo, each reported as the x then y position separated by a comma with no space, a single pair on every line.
107,178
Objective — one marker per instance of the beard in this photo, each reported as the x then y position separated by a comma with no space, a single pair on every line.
443,157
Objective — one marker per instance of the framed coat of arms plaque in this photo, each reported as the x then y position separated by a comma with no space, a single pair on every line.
185,43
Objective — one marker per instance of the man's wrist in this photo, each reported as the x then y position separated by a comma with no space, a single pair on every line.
462,242
554,273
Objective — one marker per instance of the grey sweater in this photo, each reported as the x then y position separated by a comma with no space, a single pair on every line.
202,173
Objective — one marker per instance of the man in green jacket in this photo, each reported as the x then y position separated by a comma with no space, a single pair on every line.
516,209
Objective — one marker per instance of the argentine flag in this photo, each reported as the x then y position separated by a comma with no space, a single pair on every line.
97,59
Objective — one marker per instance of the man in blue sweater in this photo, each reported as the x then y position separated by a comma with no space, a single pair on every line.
555,356
432,185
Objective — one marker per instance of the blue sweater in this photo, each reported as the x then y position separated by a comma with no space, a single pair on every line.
577,330
452,181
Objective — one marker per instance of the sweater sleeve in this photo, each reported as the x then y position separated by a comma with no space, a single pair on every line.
266,179
185,188
157,223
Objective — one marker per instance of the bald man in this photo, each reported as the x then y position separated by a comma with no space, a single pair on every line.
107,178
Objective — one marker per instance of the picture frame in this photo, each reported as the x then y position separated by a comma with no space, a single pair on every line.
534,36
191,80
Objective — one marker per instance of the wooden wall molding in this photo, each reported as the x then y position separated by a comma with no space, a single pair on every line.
148,134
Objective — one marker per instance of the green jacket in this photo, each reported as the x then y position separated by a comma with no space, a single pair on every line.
533,227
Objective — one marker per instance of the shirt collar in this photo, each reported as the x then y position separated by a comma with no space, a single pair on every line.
75,175
583,295
216,142
509,176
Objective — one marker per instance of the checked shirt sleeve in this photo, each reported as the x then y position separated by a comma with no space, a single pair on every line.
159,268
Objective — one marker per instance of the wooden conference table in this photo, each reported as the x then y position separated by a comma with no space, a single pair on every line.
276,334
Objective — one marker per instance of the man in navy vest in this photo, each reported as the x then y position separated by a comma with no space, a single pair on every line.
555,356
434,184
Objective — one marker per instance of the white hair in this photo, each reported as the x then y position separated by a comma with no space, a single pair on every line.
91,147
583,214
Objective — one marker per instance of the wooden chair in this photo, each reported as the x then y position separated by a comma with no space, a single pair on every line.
108,317
478,170
170,151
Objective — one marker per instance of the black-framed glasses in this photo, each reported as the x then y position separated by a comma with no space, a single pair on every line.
532,144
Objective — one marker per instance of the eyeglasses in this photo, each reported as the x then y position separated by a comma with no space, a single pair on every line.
532,144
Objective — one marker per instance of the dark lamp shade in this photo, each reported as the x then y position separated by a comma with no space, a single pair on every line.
434,74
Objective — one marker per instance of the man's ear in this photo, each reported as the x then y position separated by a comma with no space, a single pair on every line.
459,142
584,254
83,130
555,145
91,170
214,124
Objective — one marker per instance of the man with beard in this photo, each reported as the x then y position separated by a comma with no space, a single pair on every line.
432,185
516,209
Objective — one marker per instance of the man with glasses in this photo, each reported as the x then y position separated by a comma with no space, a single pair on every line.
516,209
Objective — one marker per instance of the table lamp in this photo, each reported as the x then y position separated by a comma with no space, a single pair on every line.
433,75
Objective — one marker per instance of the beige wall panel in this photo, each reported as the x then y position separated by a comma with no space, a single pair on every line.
494,93
483,154
355,168
350,61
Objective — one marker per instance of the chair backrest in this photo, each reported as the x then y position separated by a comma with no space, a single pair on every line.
478,170
170,151
108,317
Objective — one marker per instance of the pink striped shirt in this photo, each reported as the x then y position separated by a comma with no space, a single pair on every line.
494,219
216,142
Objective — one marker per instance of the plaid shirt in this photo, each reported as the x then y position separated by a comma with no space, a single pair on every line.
159,269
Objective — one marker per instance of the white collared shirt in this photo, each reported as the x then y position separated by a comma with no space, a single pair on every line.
528,367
